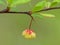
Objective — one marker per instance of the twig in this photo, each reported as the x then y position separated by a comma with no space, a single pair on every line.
30,24
28,12
14,12
48,9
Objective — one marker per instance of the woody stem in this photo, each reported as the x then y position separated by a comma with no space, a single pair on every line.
30,23
30,14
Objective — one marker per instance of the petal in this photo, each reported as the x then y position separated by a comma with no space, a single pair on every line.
33,35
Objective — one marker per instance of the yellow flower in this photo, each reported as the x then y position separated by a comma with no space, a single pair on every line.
29,34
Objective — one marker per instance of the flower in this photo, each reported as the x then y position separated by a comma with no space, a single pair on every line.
29,34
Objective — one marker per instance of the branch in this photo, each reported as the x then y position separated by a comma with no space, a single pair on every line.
14,12
7,10
28,12
48,9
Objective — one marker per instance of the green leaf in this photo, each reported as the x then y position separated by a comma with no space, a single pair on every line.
56,0
53,4
1,2
9,2
37,15
47,15
16,2
42,15
39,6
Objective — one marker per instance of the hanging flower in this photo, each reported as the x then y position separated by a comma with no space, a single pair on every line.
29,34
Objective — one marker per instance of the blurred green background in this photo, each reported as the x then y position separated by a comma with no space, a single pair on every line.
12,25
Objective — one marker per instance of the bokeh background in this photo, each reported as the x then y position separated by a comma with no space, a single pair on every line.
12,25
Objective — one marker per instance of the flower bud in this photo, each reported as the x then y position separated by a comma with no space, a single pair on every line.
29,34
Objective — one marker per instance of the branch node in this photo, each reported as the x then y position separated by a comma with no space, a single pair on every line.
29,12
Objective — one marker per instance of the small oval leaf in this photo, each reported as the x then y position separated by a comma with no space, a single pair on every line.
53,4
9,2
39,6
57,0
42,15
47,15
16,2
37,15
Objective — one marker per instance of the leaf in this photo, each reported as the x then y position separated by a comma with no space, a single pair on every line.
1,2
42,15
57,0
39,6
47,15
37,15
9,2
53,4
16,2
